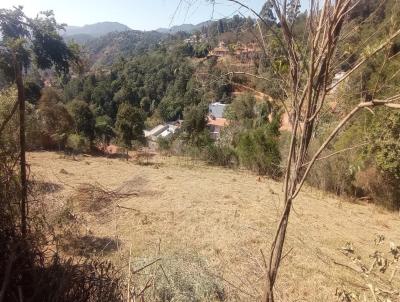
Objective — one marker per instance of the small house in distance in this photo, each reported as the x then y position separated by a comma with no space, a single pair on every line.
220,51
160,131
217,109
216,120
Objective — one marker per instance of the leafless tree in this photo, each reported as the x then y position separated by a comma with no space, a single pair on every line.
312,62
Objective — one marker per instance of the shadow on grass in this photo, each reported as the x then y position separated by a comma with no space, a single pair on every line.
89,245
45,187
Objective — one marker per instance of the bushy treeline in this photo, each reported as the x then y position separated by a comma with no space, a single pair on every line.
84,111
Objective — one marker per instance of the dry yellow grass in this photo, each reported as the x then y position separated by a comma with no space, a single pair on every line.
224,217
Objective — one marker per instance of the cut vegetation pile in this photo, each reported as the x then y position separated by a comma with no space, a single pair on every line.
94,197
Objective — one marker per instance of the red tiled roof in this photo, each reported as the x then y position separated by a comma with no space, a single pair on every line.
221,122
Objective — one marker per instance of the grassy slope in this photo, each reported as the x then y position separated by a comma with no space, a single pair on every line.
224,218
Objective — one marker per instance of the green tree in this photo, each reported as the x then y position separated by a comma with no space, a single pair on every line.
22,39
195,120
77,143
56,122
32,91
103,128
83,118
258,149
129,126
242,108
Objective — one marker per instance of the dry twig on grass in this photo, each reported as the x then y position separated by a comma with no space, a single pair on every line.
94,197
378,284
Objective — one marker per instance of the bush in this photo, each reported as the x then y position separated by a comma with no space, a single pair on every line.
371,171
258,150
77,144
220,155
380,186
83,118
164,144
336,174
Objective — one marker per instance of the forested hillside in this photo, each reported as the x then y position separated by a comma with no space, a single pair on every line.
105,50
94,30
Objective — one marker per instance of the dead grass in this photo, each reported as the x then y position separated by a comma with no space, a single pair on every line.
223,218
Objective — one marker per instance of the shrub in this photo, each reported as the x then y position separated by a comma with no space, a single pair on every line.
195,121
220,155
83,118
77,144
258,150
385,143
164,144
336,173
380,186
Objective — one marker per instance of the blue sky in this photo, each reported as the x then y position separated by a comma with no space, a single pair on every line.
137,14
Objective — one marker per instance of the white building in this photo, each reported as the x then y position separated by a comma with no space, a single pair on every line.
160,131
217,109
216,121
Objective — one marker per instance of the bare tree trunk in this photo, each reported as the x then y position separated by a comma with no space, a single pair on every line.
22,142
276,254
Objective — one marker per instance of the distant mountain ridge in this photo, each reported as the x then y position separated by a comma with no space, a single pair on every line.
94,30
189,28
87,32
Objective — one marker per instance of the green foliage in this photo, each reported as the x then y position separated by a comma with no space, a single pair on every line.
385,142
106,50
164,144
201,50
9,139
56,122
258,150
78,143
83,118
242,108
195,120
104,128
220,155
48,46
45,44
129,125
9,135
32,91
159,82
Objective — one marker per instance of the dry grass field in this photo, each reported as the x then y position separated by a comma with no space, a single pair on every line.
206,226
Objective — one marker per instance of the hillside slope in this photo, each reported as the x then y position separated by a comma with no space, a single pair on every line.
222,218
105,50
95,30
